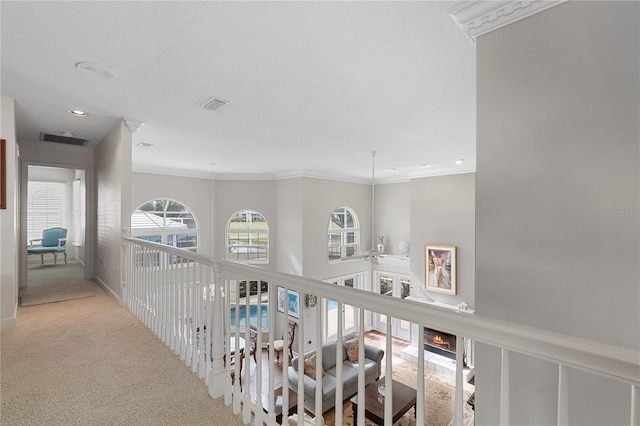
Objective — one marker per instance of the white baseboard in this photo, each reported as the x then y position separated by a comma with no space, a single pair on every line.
8,323
107,289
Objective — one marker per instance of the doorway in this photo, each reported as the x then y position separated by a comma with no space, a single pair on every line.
392,285
349,313
54,197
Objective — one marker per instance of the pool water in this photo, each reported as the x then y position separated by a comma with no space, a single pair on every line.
253,315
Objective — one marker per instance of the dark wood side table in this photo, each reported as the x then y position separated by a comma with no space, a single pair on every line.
404,397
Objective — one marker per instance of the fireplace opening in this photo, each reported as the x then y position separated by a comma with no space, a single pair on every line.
441,343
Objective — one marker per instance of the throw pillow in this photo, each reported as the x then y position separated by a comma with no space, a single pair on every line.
353,349
310,367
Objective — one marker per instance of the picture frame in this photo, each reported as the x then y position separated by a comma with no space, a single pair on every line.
440,268
293,302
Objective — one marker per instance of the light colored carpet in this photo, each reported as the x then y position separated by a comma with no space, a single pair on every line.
91,362
51,283
439,399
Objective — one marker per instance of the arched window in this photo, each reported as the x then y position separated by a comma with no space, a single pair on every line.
166,222
344,234
248,237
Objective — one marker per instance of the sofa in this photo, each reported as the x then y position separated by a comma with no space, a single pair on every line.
372,371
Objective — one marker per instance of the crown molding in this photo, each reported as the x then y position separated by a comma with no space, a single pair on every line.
133,124
319,175
300,173
477,17
172,172
442,172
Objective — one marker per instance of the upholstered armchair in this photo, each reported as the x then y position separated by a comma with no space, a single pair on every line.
53,240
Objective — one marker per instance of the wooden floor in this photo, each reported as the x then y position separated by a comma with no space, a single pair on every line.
373,338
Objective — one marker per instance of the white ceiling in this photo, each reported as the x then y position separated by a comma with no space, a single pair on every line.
313,87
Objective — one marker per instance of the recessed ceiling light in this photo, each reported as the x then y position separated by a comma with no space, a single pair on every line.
98,70
78,113
68,134
460,161
425,165
144,145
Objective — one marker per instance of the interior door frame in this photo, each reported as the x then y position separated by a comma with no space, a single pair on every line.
89,215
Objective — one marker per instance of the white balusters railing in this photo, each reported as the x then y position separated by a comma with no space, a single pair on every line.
192,303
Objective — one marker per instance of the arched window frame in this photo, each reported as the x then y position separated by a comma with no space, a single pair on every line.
253,247
343,236
164,226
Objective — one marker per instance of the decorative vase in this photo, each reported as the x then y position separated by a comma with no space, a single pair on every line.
380,244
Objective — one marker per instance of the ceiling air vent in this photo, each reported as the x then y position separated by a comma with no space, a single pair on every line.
213,104
46,137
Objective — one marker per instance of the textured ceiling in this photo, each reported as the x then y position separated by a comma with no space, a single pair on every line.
313,87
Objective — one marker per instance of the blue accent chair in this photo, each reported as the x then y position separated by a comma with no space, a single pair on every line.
53,241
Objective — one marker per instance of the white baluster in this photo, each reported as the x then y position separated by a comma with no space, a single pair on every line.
301,338
635,406
459,380
563,395
388,383
271,319
202,364
258,349
361,385
421,379
318,401
236,337
504,388
339,356
216,380
246,414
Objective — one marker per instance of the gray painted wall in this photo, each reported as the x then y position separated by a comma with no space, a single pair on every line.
393,215
443,212
557,199
232,196
192,192
321,197
9,217
289,236
113,189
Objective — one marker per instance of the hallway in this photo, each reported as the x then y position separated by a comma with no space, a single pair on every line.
89,361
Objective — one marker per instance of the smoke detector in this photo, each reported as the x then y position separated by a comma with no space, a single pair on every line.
213,104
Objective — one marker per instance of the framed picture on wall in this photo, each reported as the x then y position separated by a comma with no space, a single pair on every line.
293,303
440,268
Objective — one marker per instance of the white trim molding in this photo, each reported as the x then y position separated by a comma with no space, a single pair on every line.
401,177
478,17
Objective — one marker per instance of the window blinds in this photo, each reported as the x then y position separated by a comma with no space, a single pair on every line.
45,207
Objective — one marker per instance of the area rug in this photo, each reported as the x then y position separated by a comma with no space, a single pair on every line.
439,399
55,283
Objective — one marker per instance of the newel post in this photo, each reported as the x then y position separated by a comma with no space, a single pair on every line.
217,380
